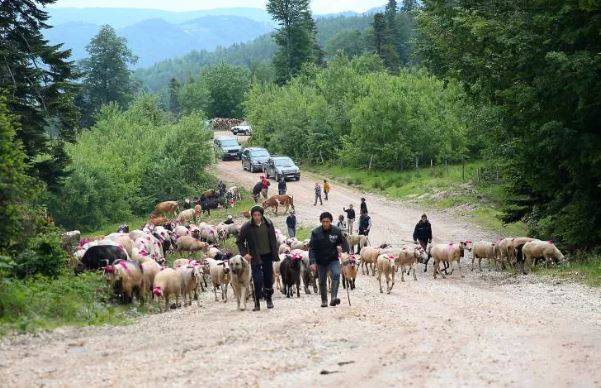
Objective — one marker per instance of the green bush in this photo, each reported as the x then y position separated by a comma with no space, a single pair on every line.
130,160
42,255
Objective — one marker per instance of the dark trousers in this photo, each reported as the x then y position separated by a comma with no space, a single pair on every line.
318,197
326,195
282,191
322,272
262,274
423,243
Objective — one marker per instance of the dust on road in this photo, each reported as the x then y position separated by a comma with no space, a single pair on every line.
488,328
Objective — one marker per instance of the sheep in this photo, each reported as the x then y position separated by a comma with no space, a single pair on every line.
124,240
446,253
290,270
369,256
302,245
226,230
190,244
276,275
126,279
169,207
349,270
284,248
538,249
502,251
307,275
190,276
409,256
212,252
220,276
240,280
150,269
357,240
180,231
483,250
386,267
186,216
208,233
513,244
167,283
234,192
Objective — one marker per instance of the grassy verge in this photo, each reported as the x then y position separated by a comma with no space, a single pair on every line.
40,303
444,188
584,268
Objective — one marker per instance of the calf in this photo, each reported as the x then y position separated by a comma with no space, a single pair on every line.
279,200
290,269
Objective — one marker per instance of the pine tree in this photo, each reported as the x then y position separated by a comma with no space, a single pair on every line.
383,44
39,83
108,78
296,37
174,88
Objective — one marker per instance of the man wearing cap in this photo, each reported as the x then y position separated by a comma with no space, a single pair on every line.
258,244
326,244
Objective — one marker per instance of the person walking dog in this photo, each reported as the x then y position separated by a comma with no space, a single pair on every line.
327,242
259,246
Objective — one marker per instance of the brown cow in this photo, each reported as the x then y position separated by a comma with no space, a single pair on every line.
166,207
158,221
277,200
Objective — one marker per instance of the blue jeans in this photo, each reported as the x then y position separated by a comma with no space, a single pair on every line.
322,272
291,232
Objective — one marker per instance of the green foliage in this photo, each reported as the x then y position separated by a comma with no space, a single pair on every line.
354,111
194,96
128,161
174,105
538,65
39,84
45,303
107,76
42,254
351,43
295,38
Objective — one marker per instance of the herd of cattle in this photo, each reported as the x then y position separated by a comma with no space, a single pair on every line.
134,262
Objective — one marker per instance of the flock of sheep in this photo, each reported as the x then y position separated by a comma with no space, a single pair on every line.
134,261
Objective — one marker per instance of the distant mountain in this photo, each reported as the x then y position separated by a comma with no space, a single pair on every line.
257,51
153,40
122,17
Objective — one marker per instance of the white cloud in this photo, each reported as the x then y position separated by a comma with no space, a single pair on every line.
319,6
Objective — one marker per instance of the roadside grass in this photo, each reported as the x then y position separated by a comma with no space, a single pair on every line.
438,187
584,268
42,303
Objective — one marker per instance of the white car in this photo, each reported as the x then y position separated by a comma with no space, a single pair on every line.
242,130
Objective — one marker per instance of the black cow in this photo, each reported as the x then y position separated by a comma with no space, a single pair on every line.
290,271
100,256
209,204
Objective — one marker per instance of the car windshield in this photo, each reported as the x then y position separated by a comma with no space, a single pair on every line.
285,162
260,154
229,143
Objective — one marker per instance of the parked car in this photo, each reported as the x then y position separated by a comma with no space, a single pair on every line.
228,148
242,130
281,166
254,158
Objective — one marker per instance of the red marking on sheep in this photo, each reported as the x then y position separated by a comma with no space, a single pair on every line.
157,291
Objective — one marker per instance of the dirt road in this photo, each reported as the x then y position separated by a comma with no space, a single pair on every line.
488,328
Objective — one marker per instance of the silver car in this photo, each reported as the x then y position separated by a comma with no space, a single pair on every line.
281,166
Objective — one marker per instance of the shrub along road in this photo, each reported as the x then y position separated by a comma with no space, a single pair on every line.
486,328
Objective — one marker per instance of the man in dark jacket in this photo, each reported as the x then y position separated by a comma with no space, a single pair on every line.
291,224
363,206
423,232
326,244
364,224
257,191
282,187
350,217
259,246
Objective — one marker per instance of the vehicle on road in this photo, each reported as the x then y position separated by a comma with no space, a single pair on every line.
281,166
254,158
242,130
228,148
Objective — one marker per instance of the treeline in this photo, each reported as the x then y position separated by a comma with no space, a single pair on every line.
356,112
129,160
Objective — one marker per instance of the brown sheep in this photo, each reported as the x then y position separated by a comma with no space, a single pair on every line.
408,257
369,256
386,267
512,246
166,207
126,279
190,244
167,283
483,250
186,216
349,270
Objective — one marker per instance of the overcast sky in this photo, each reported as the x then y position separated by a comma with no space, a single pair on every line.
319,6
